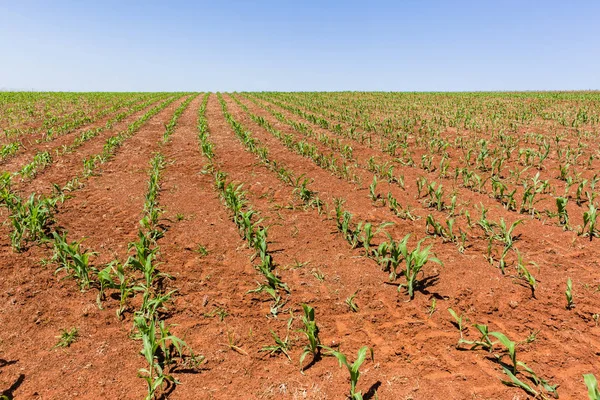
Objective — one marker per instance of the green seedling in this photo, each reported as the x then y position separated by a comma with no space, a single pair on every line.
415,261
31,219
351,304
105,281
589,223
458,322
154,375
366,234
219,312
375,197
67,337
393,252
311,331
563,216
569,294
317,273
353,369
280,346
432,307
71,259
525,274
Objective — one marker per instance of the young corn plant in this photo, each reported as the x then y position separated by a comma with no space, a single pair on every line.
458,322
308,196
421,183
31,220
282,346
579,192
105,278
415,261
350,302
589,228
125,284
398,210
499,232
517,366
40,161
311,331
591,194
154,374
563,216
374,196
366,234
507,238
144,260
501,193
353,369
569,294
71,259
172,346
525,274
433,227
348,232
390,254
436,195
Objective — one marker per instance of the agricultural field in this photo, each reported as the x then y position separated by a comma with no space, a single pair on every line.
310,245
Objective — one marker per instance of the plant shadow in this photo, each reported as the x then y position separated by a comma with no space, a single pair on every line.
372,391
10,392
425,283
315,359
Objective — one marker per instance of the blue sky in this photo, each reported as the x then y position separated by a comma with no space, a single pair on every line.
299,45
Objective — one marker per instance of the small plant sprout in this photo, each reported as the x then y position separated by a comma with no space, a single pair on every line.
432,308
458,321
67,337
154,375
525,274
105,281
366,234
353,369
351,304
317,273
202,250
280,346
219,312
569,294
375,197
232,344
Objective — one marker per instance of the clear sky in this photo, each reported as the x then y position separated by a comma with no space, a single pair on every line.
172,45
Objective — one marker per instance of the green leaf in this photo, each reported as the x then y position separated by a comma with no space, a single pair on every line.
592,386
514,381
